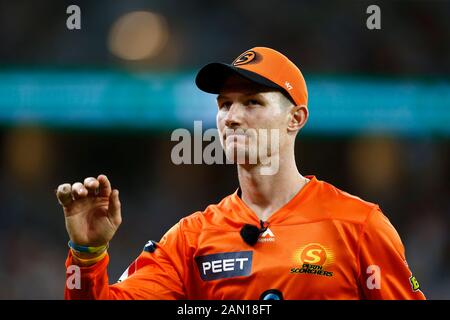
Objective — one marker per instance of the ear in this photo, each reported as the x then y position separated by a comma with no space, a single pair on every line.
298,116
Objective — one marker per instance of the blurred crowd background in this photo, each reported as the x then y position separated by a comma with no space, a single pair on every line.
405,168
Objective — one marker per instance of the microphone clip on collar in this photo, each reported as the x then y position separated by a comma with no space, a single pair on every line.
250,233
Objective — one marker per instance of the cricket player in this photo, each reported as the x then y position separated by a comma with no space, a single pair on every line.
280,235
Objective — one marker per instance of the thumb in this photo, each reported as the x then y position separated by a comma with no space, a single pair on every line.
115,208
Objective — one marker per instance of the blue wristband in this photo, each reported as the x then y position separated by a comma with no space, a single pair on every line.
85,249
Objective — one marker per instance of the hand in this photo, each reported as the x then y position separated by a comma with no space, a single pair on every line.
92,210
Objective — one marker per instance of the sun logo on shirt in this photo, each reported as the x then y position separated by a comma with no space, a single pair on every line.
314,254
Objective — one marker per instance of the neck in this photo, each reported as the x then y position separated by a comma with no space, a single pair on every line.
265,194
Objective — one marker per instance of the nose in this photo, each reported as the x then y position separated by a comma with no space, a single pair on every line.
233,118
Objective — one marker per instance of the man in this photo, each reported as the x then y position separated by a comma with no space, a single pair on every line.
279,236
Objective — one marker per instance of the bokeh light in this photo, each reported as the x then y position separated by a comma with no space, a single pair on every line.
138,35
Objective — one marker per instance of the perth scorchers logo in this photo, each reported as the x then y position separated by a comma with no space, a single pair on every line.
313,258
315,253
244,58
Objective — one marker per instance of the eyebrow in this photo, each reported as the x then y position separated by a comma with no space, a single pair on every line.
247,94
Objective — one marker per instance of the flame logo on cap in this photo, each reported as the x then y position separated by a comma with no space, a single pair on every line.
244,58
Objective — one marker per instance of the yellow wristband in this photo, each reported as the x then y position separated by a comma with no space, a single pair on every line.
88,262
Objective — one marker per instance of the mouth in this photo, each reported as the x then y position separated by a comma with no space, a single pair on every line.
234,133
235,137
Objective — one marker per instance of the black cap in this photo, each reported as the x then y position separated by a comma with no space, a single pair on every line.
211,77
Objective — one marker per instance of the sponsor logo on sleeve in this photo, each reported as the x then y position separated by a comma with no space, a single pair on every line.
414,284
150,246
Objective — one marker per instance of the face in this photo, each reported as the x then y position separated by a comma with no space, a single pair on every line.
252,121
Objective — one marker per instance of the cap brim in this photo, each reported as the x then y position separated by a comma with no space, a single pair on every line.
211,77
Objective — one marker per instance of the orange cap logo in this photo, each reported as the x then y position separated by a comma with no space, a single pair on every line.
244,58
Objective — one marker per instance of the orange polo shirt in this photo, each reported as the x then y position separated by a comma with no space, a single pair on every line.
323,244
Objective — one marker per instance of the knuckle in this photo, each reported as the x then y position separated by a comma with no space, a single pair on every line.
64,188
76,185
77,188
87,180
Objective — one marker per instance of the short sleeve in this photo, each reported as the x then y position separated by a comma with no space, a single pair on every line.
384,272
